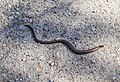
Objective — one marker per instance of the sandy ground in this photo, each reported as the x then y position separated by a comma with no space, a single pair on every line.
85,23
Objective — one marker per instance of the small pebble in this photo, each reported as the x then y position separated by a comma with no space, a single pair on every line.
94,30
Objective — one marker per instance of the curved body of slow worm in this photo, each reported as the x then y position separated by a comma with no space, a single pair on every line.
68,44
